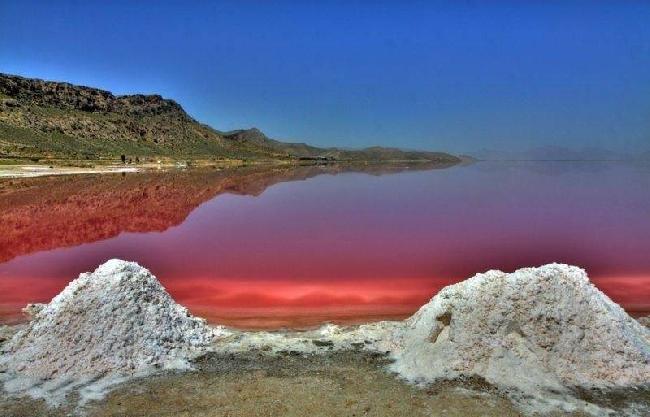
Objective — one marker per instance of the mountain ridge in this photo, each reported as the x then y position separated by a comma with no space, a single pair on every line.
50,119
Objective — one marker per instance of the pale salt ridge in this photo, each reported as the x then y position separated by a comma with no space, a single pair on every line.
537,330
117,321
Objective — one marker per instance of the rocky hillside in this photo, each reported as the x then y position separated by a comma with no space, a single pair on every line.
44,119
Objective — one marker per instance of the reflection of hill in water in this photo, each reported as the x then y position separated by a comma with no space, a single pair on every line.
46,213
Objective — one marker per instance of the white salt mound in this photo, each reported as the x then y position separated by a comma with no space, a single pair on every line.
116,321
536,329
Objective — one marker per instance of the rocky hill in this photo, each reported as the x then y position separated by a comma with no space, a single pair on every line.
44,119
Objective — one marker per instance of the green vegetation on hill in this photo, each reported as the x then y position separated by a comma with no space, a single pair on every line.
43,119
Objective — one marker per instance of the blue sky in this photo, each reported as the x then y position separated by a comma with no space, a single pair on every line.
456,76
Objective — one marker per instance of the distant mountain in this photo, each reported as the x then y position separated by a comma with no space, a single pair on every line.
307,152
45,119
551,153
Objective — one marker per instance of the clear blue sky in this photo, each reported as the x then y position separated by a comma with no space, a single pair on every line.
454,75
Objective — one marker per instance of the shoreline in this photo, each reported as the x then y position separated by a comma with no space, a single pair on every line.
11,170
34,171
478,343
287,384
297,373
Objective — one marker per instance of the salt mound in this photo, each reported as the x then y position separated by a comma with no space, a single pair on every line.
118,320
544,328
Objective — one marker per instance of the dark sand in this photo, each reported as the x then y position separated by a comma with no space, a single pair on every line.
254,384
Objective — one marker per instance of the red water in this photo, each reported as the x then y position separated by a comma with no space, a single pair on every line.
346,248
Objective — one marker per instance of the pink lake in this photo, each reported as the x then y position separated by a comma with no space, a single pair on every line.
296,247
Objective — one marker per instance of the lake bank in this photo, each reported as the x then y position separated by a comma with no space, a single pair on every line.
14,169
539,340
295,384
32,171
252,384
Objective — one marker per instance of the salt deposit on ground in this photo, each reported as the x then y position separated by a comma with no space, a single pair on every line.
6,332
30,171
537,330
536,334
329,337
117,321
645,321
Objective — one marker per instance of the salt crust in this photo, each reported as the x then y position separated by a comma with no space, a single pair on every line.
537,333
114,323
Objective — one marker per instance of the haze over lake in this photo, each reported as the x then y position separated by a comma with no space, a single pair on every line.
296,247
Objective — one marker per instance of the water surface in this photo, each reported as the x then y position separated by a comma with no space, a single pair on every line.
294,247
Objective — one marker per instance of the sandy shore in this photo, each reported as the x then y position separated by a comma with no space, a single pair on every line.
288,383
30,171
349,383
